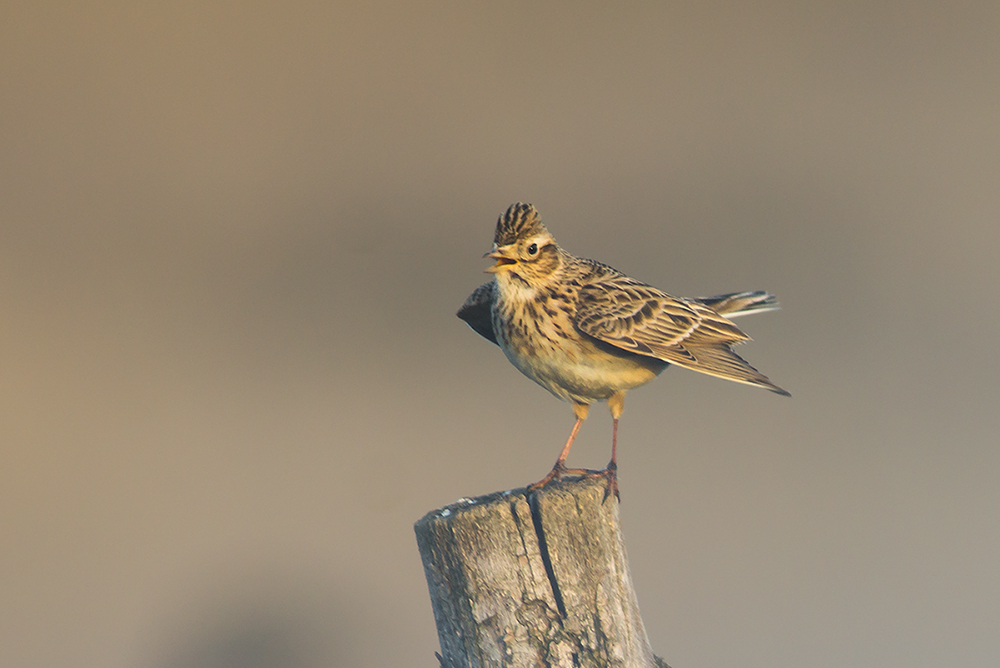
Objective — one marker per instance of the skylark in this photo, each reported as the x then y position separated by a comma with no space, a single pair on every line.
587,332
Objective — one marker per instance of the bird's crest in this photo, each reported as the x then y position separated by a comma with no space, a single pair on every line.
517,222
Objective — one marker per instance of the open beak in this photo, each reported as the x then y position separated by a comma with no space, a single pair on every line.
503,258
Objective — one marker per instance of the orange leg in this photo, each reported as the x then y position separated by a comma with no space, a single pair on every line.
612,471
616,402
559,469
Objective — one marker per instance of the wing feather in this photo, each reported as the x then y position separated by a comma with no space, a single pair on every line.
639,318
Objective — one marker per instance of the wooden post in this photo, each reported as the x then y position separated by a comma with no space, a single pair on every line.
521,580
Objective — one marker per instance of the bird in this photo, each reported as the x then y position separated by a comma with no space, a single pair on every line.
586,332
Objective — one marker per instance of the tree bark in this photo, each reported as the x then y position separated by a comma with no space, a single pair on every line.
521,580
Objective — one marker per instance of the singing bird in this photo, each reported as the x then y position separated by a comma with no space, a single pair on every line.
587,332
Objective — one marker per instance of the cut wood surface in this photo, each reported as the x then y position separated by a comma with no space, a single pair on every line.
534,579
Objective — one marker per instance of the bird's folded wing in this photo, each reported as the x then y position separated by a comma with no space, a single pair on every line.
476,311
638,317
641,319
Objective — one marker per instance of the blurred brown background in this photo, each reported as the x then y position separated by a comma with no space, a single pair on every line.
233,237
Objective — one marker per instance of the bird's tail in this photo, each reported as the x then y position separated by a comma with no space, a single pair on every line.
721,361
735,304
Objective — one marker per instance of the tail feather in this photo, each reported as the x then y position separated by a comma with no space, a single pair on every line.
735,304
721,361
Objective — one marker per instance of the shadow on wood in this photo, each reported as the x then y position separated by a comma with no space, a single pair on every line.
533,579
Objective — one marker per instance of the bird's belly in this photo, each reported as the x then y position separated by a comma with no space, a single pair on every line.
586,373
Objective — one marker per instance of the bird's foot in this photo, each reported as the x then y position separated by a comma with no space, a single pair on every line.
557,472
611,473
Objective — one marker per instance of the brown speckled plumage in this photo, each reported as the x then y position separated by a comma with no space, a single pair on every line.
587,332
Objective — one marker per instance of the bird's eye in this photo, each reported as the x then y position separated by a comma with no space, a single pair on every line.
532,249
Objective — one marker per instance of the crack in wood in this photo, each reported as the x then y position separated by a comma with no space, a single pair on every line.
543,549
498,599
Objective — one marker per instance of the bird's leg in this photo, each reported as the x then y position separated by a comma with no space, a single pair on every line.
612,470
616,402
560,466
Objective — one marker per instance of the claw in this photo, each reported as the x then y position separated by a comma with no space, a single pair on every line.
554,474
611,473
557,472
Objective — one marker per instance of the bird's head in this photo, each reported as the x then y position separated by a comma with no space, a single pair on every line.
522,247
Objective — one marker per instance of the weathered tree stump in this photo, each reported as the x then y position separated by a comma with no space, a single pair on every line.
522,580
